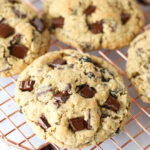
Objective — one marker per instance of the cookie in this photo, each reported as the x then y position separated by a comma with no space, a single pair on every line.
138,65
71,99
23,37
93,24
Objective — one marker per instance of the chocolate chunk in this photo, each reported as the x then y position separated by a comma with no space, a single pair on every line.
13,1
42,121
57,22
26,85
86,91
142,2
85,59
97,27
117,131
49,147
77,124
57,62
105,79
148,79
18,51
89,10
106,75
125,17
104,116
38,24
5,30
112,104
62,96
18,13
16,39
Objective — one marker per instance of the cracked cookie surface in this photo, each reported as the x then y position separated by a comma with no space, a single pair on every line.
23,37
73,100
93,24
138,65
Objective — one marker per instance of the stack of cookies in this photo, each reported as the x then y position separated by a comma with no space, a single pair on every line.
72,99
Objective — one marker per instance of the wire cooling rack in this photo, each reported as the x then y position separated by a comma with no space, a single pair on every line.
136,135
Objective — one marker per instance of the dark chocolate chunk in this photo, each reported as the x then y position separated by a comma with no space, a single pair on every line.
118,131
105,78
16,39
49,147
62,96
97,27
18,51
142,2
89,10
85,59
57,62
112,104
18,13
13,1
42,121
26,85
77,124
125,17
86,91
38,24
104,116
57,22
5,30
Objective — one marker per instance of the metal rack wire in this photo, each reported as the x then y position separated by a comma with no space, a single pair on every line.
136,134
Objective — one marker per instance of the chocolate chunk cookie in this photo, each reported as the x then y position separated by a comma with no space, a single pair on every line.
73,100
93,24
23,37
138,65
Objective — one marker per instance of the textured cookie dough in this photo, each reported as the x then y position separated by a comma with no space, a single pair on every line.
23,37
138,65
94,24
73,100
